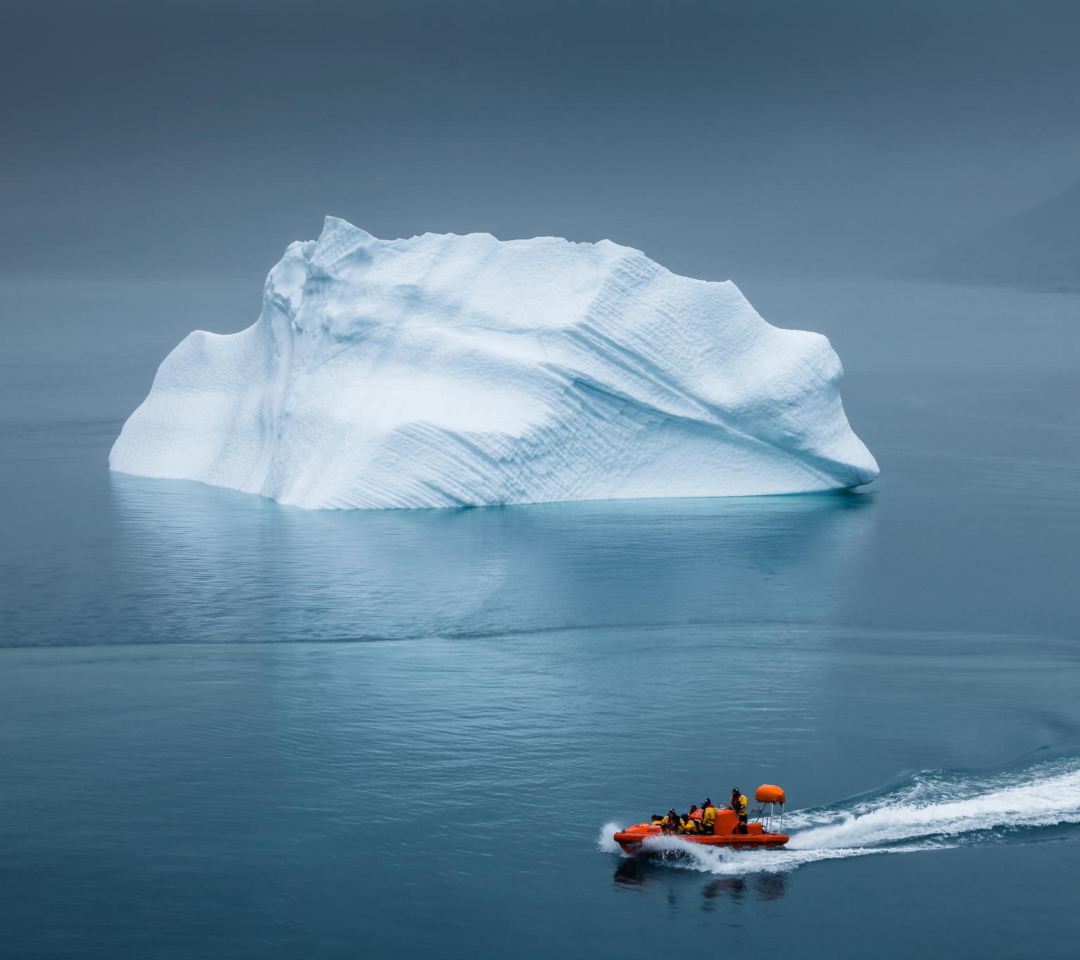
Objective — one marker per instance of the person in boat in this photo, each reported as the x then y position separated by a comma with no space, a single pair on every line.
657,820
670,823
739,804
708,816
688,825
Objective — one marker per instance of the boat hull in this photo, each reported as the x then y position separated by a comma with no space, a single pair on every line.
632,840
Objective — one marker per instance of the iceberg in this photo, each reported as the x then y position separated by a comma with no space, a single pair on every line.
447,370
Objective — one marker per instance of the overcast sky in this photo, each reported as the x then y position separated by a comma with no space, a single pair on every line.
159,138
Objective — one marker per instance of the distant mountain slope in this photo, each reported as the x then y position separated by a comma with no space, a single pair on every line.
1040,246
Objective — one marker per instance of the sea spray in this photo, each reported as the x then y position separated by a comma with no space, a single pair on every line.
606,840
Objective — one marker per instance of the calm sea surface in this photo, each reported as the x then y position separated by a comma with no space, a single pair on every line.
231,729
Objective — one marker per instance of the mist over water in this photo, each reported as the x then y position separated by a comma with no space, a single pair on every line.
726,139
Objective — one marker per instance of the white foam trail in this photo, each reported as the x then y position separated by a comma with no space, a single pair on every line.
931,812
931,808
731,863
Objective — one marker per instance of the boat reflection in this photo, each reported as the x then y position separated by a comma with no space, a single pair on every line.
638,873
765,886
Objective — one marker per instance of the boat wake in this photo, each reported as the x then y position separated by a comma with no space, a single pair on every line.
931,811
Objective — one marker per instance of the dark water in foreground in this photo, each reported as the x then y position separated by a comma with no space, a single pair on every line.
230,729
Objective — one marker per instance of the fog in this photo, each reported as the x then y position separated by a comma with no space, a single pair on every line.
779,138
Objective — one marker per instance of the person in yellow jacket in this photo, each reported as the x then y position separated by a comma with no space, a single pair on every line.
670,823
708,817
657,820
740,805
688,825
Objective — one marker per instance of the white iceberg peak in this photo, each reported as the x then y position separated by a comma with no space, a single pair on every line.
445,370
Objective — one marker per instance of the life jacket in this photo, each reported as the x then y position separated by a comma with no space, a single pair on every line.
739,805
708,815
689,825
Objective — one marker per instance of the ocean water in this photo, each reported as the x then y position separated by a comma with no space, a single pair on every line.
231,729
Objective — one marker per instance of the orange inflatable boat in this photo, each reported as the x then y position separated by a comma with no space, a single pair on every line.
764,829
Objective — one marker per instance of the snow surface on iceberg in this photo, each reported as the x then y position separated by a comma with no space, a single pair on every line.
447,370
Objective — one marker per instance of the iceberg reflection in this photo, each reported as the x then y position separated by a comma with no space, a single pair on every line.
200,563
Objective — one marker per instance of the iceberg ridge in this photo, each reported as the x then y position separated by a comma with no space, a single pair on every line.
447,370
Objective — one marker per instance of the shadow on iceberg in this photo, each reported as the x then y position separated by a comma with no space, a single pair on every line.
201,563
